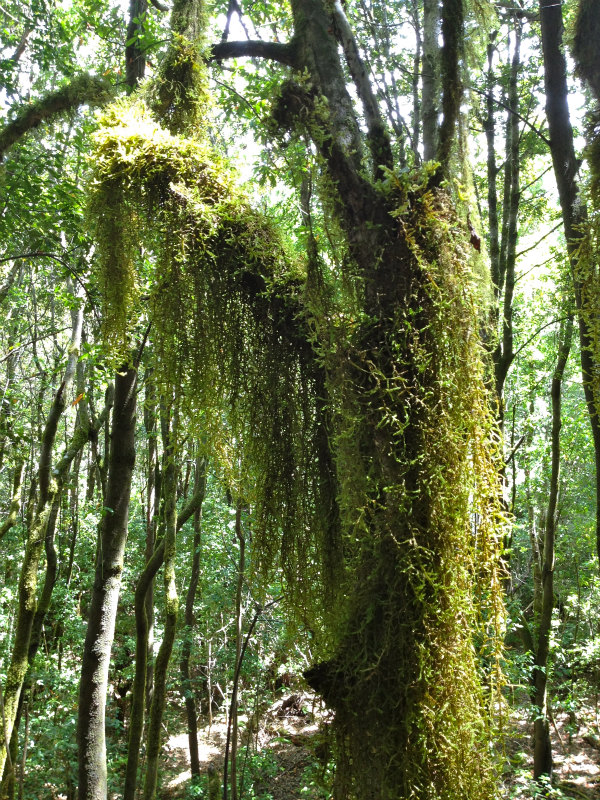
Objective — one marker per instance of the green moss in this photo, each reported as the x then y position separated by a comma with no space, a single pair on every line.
415,458
364,445
226,302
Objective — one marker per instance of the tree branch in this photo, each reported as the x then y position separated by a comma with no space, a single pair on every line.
83,90
512,111
379,140
284,53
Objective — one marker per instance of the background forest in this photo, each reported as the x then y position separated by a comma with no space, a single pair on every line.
299,364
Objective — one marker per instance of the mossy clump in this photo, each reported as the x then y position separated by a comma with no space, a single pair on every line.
179,94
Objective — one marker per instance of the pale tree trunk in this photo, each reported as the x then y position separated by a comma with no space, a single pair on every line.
504,277
170,472
136,722
238,646
430,78
105,593
152,506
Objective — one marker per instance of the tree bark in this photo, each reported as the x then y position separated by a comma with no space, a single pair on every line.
504,353
136,722
105,594
574,211
186,650
169,435
542,749
135,58
233,716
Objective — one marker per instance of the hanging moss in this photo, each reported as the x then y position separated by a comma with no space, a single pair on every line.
421,531
225,297
362,442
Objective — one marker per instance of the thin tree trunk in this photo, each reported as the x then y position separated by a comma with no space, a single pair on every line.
492,173
136,722
190,621
431,78
152,506
238,645
15,503
169,436
504,354
542,750
19,662
105,594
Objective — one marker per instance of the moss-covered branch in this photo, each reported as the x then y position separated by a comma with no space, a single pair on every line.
83,90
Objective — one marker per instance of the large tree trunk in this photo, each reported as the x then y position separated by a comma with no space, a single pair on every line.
105,593
376,680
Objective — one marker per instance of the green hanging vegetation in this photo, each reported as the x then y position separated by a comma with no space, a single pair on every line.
396,408
416,454
225,299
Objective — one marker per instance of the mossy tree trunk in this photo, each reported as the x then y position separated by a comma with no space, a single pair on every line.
105,592
387,675
48,492
406,415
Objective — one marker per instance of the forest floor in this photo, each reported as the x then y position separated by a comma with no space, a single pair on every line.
288,760
290,751
575,749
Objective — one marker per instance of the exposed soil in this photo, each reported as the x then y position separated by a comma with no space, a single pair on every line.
575,748
289,743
